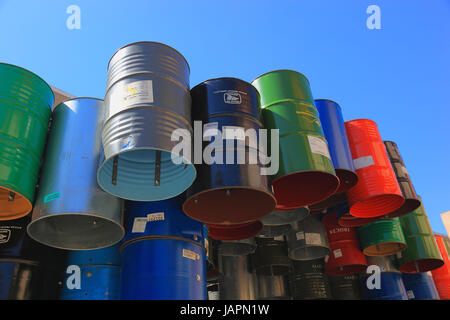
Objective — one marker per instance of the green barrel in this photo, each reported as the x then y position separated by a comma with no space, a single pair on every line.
345,287
306,174
25,107
382,238
422,253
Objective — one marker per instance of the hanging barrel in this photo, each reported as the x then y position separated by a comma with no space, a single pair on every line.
282,217
235,231
441,276
412,201
272,288
306,174
422,252
71,211
25,107
345,256
345,287
420,286
99,272
147,99
237,247
307,240
238,282
275,231
391,285
377,192
309,281
382,238
230,180
345,219
270,257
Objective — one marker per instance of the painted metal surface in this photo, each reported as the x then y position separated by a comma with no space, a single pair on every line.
422,252
235,231
147,88
105,256
308,240
71,211
391,288
275,231
345,287
272,288
237,247
386,263
231,182
282,217
382,238
441,276
309,281
377,192
270,257
412,201
25,108
345,219
304,159
163,269
238,281
420,286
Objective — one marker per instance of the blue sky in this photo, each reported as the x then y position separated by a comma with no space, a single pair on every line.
398,76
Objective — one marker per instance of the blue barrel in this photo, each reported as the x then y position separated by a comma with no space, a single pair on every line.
161,218
332,121
391,288
12,238
163,269
420,286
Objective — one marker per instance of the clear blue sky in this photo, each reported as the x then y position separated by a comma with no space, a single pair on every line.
398,76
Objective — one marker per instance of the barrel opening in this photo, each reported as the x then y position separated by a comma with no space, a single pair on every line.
143,174
231,205
347,179
384,249
308,252
377,206
13,205
421,265
74,230
408,206
303,188
237,232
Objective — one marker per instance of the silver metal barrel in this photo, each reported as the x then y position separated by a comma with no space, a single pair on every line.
147,99
237,247
273,288
280,217
238,282
71,211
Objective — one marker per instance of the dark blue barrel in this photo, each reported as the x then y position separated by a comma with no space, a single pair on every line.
332,121
391,288
163,269
160,218
420,286
13,242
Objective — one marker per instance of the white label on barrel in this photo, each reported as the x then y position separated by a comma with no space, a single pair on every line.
279,238
158,216
312,238
139,225
190,255
5,234
399,255
210,129
319,146
300,235
125,95
410,294
363,162
337,253
233,132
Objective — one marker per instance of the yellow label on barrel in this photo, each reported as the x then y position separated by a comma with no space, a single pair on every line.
190,255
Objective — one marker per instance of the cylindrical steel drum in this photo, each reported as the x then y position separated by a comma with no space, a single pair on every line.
391,288
148,112
235,231
275,231
272,288
345,287
238,282
309,281
441,276
270,257
163,269
382,238
237,247
412,201
26,102
306,174
283,217
99,272
377,192
422,252
332,121
230,177
71,211
308,240
345,219
420,286
386,263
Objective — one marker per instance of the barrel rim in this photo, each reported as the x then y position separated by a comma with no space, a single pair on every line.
153,42
77,98
159,237
221,78
329,100
361,119
32,74
278,70
20,260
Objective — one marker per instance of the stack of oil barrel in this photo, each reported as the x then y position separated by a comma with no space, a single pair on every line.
228,190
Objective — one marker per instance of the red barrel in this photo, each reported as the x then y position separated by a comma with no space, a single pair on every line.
345,255
234,232
377,192
441,276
